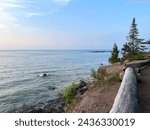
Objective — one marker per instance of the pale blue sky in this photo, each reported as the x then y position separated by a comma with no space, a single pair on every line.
70,24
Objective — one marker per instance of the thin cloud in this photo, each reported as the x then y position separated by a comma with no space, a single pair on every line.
5,4
16,12
8,19
37,14
32,14
62,2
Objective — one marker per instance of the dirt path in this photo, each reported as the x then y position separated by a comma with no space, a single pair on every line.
144,90
97,100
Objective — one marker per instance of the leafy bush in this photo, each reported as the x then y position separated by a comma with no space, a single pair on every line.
69,93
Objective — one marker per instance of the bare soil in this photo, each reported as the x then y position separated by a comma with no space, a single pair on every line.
101,98
97,100
144,90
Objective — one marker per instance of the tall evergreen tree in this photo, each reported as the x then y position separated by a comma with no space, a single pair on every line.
133,44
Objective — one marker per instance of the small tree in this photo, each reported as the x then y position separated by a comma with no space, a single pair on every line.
114,55
133,44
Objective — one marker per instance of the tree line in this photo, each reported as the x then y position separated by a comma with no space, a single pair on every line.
134,47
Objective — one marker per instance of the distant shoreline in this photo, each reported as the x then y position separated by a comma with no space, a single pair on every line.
99,51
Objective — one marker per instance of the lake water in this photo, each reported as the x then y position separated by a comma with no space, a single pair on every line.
21,80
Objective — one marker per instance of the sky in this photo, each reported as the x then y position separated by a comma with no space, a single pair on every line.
70,24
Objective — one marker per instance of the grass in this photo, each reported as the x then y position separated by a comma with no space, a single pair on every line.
98,76
69,94
114,78
101,77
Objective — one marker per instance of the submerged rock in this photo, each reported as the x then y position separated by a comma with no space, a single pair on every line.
44,75
51,87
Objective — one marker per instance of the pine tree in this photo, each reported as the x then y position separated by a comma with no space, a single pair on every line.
133,44
114,55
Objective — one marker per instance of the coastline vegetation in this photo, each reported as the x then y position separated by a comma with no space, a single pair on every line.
69,95
102,77
114,55
133,49
98,77
114,78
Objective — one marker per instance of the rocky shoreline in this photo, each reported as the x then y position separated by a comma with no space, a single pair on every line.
57,105
60,104
53,106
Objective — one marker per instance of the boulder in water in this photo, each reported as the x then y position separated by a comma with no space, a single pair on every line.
43,75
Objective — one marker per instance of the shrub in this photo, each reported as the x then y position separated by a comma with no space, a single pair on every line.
93,74
134,56
114,78
99,76
69,93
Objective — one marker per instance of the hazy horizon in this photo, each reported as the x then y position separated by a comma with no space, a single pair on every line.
57,49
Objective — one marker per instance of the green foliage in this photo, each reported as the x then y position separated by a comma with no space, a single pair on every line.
114,55
134,56
133,44
99,76
114,78
93,74
69,93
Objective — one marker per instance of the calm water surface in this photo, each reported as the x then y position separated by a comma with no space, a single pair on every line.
20,74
